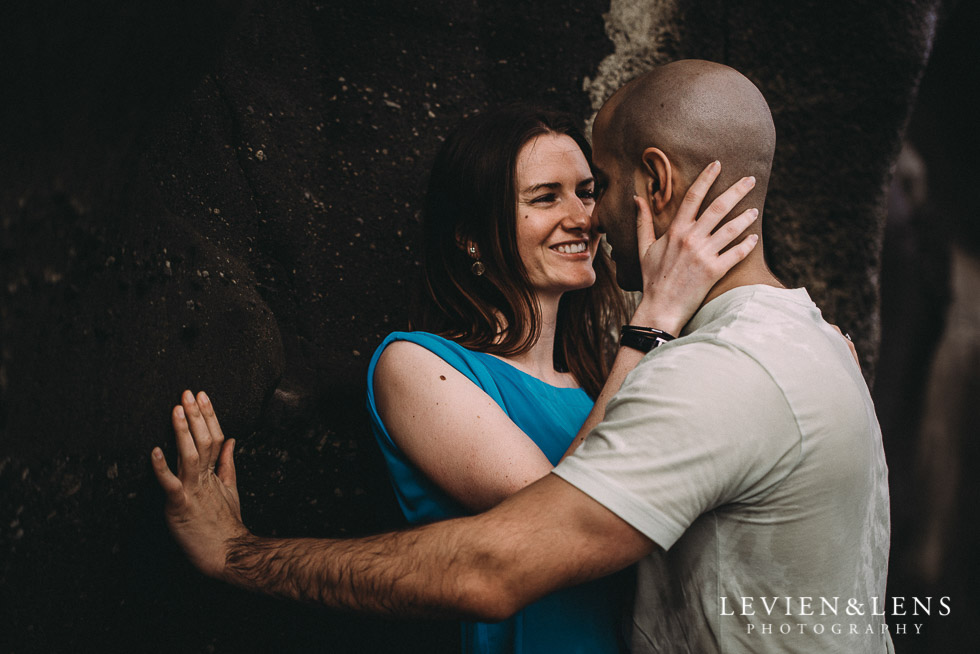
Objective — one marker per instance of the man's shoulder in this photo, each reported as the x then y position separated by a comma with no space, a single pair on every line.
784,335
705,366
779,329
755,309
751,337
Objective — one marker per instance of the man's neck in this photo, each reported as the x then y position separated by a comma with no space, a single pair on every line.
751,271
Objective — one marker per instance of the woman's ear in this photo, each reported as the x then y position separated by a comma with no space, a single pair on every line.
467,245
658,178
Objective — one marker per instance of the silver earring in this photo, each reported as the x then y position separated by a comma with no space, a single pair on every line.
477,268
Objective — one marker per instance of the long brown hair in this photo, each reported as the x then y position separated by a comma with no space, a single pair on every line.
471,199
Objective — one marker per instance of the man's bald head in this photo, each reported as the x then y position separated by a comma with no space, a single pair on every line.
695,112
656,134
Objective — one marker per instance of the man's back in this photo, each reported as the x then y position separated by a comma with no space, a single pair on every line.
750,451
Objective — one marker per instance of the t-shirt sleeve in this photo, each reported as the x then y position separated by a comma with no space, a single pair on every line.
694,427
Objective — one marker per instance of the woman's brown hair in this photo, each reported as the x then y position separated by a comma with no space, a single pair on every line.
471,201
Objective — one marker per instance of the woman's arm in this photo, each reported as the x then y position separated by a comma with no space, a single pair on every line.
679,269
451,429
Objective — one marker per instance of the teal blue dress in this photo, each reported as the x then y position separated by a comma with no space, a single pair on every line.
583,619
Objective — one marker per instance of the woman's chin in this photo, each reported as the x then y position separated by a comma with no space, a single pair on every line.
586,282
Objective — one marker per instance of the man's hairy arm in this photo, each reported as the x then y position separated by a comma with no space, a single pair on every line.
485,567
375,574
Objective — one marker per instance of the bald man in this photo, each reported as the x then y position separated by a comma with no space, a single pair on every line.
740,465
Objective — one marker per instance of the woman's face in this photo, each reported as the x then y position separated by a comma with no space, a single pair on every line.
556,236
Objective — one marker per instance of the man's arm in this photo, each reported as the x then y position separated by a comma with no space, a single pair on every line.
485,567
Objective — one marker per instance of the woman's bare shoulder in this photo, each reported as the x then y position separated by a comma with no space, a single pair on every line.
406,356
409,368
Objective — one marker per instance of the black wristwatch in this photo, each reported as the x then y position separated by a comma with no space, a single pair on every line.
643,339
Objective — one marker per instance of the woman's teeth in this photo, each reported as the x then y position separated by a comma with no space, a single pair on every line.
574,248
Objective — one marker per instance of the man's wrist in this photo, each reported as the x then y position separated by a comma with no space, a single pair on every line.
237,559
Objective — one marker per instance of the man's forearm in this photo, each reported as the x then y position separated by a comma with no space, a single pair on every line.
423,572
485,567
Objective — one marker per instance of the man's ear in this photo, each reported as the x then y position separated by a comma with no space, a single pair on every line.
658,178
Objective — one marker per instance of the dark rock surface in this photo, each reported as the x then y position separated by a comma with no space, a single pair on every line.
225,196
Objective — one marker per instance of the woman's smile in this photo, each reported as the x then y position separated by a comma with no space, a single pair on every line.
576,247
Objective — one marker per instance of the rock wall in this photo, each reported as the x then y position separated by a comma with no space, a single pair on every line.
225,196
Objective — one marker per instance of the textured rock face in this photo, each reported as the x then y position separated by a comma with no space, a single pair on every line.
226,197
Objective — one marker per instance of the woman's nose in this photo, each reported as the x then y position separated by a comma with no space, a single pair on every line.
579,215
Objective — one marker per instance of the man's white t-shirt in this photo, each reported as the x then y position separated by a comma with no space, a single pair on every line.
749,451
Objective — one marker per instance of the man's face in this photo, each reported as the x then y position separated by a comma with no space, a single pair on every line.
616,211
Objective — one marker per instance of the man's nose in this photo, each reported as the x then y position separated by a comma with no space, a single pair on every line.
597,223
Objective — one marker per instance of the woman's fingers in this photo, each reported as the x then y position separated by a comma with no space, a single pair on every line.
850,345
730,231
723,204
691,203
645,235
728,259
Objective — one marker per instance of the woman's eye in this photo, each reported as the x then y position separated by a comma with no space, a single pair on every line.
587,194
544,199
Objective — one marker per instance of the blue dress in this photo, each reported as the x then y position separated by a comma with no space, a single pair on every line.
582,619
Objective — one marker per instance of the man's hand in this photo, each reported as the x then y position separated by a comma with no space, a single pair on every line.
203,510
